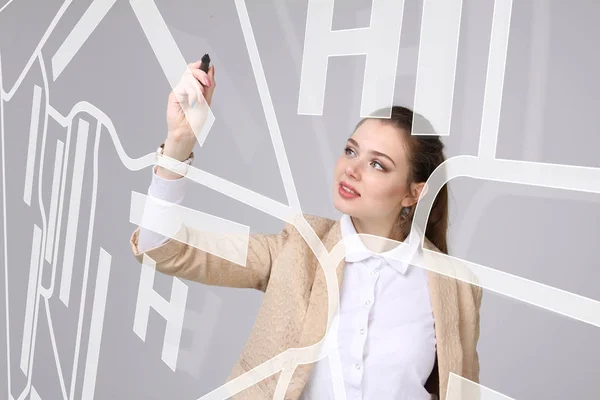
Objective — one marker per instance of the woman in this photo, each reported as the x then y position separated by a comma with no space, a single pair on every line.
402,329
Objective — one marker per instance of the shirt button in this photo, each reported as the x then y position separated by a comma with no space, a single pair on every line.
357,366
368,302
362,331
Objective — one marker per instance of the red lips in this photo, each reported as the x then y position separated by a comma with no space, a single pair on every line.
349,187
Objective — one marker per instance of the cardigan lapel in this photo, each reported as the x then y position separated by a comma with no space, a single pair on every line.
444,304
315,321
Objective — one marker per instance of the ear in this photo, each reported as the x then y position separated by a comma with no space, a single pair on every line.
415,193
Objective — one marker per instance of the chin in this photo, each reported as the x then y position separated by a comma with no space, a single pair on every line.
339,203
343,206
341,209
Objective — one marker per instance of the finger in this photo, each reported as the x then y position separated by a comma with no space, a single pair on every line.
186,91
201,76
192,95
180,92
196,86
195,92
211,76
195,64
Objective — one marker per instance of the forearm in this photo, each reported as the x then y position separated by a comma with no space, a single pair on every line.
169,190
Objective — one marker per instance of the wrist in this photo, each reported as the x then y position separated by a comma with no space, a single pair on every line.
179,149
170,164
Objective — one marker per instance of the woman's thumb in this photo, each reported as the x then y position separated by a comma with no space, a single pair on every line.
211,71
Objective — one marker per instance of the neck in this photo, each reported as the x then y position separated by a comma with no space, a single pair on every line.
376,228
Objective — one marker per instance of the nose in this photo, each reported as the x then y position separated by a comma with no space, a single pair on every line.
352,171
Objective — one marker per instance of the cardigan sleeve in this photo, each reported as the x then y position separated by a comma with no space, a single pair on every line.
178,258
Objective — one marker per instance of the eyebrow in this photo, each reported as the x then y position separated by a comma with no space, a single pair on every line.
377,153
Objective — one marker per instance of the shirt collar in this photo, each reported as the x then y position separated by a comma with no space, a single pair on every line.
360,252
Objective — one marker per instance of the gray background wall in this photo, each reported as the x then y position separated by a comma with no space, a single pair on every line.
549,115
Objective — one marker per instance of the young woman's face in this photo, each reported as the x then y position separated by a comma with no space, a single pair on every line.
374,165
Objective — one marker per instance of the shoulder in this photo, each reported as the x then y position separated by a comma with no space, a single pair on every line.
318,223
325,228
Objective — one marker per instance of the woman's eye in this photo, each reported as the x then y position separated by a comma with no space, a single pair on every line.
348,151
379,164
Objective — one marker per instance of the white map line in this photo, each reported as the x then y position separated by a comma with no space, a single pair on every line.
34,394
558,176
54,198
319,129
86,268
172,310
5,234
283,382
159,38
32,146
96,325
55,114
74,207
88,22
224,238
528,291
240,193
486,194
46,89
61,378
200,326
48,292
460,388
60,210
538,80
7,96
337,375
267,103
6,5
577,178
34,274
494,81
436,66
200,116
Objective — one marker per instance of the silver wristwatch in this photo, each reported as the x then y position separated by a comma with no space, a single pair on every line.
174,165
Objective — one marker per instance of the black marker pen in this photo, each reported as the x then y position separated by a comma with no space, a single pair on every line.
205,63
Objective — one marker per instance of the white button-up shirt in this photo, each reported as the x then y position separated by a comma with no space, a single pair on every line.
386,336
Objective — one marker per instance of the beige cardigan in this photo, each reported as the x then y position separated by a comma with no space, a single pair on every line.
295,304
